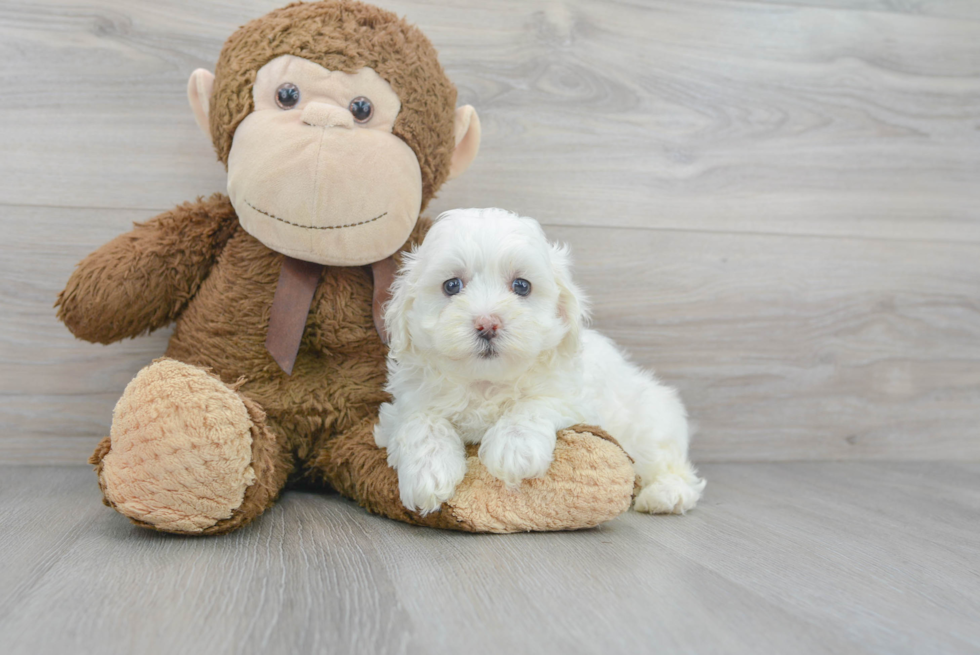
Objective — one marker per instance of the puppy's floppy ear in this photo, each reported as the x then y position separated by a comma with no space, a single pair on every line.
572,304
396,310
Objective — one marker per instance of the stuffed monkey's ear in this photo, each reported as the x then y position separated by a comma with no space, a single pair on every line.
199,94
572,304
467,129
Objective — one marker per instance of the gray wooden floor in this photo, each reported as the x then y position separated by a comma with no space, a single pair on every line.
774,203
779,558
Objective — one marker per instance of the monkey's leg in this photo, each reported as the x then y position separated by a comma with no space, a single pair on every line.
188,454
590,481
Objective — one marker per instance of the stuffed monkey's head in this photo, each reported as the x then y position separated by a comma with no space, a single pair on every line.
337,125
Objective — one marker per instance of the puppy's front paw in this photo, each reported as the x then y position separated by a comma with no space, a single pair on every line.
512,453
425,483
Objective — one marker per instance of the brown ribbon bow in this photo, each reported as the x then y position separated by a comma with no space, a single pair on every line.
298,281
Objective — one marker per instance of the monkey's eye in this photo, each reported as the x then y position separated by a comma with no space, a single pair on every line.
453,286
521,286
287,95
362,109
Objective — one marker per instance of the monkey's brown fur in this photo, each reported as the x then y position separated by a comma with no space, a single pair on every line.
195,265
344,36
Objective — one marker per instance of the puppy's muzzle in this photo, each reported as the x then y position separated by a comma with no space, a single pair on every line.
487,327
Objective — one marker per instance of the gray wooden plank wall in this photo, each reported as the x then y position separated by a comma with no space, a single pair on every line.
775,204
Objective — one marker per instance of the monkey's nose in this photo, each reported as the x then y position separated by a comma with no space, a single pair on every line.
320,114
487,326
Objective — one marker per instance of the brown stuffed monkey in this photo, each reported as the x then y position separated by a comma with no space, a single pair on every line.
337,125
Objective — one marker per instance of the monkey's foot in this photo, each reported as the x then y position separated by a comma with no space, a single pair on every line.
590,481
179,457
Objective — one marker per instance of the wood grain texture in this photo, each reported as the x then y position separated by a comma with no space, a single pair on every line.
961,9
780,354
778,558
711,115
773,203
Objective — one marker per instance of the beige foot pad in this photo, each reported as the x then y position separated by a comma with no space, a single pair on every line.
181,449
590,481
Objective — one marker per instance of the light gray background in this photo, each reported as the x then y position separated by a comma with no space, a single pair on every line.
774,204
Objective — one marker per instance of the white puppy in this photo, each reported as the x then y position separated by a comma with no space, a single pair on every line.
488,346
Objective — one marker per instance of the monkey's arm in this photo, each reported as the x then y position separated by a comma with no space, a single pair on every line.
142,280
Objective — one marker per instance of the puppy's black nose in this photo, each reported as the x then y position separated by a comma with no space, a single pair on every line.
487,326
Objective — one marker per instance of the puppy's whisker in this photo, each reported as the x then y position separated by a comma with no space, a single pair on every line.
486,348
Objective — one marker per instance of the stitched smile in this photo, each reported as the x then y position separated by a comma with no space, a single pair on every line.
315,227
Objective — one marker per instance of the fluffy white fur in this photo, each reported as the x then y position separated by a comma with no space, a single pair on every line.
545,371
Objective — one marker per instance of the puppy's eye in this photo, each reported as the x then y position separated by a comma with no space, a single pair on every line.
362,109
521,286
453,286
287,95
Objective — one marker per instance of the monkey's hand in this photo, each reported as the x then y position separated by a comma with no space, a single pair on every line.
142,280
